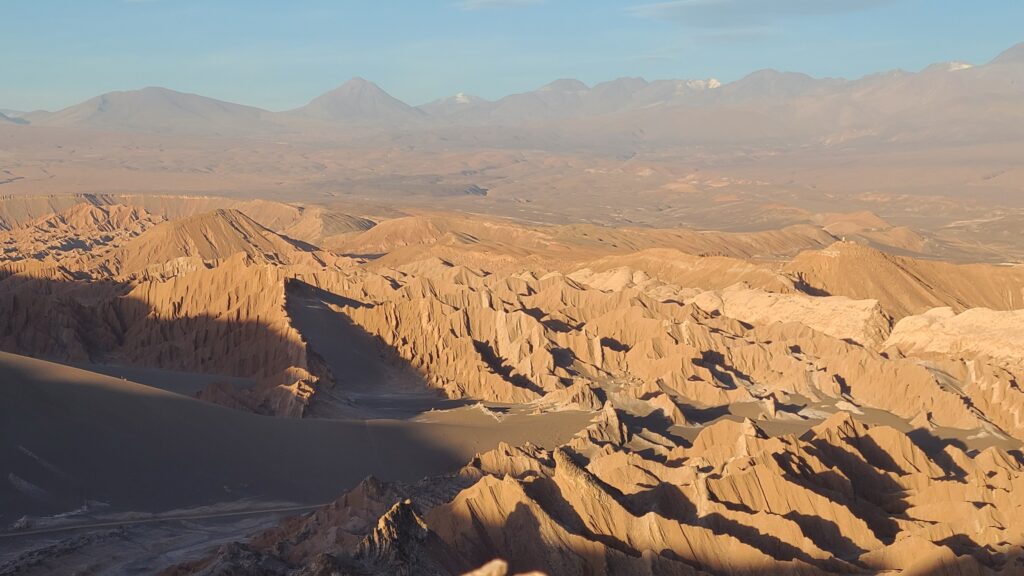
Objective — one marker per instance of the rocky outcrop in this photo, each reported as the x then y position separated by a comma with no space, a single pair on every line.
73,243
550,339
860,321
905,286
977,332
209,238
843,497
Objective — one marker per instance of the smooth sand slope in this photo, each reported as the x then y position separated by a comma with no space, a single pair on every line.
69,435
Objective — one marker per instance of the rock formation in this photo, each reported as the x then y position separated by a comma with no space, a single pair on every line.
842,497
808,416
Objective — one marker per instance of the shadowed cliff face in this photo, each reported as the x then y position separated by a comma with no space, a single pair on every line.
203,293
369,378
160,325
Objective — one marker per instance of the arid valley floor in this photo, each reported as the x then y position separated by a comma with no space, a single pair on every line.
686,329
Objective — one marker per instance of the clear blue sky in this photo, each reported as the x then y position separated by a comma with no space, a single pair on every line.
280,54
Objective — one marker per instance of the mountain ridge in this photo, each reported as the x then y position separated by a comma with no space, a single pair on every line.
358,100
947,101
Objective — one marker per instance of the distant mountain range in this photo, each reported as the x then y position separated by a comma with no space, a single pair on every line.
155,110
950,100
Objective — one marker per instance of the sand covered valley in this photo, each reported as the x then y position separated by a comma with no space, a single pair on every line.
650,400
667,327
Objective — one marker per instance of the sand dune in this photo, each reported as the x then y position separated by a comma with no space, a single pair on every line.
71,435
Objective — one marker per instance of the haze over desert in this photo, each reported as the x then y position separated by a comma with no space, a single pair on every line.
756,322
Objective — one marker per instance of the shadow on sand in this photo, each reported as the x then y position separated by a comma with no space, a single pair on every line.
371,379
68,436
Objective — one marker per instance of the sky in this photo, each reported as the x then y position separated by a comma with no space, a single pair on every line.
280,54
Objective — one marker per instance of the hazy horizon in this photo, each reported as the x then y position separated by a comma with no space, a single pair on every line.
259,55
